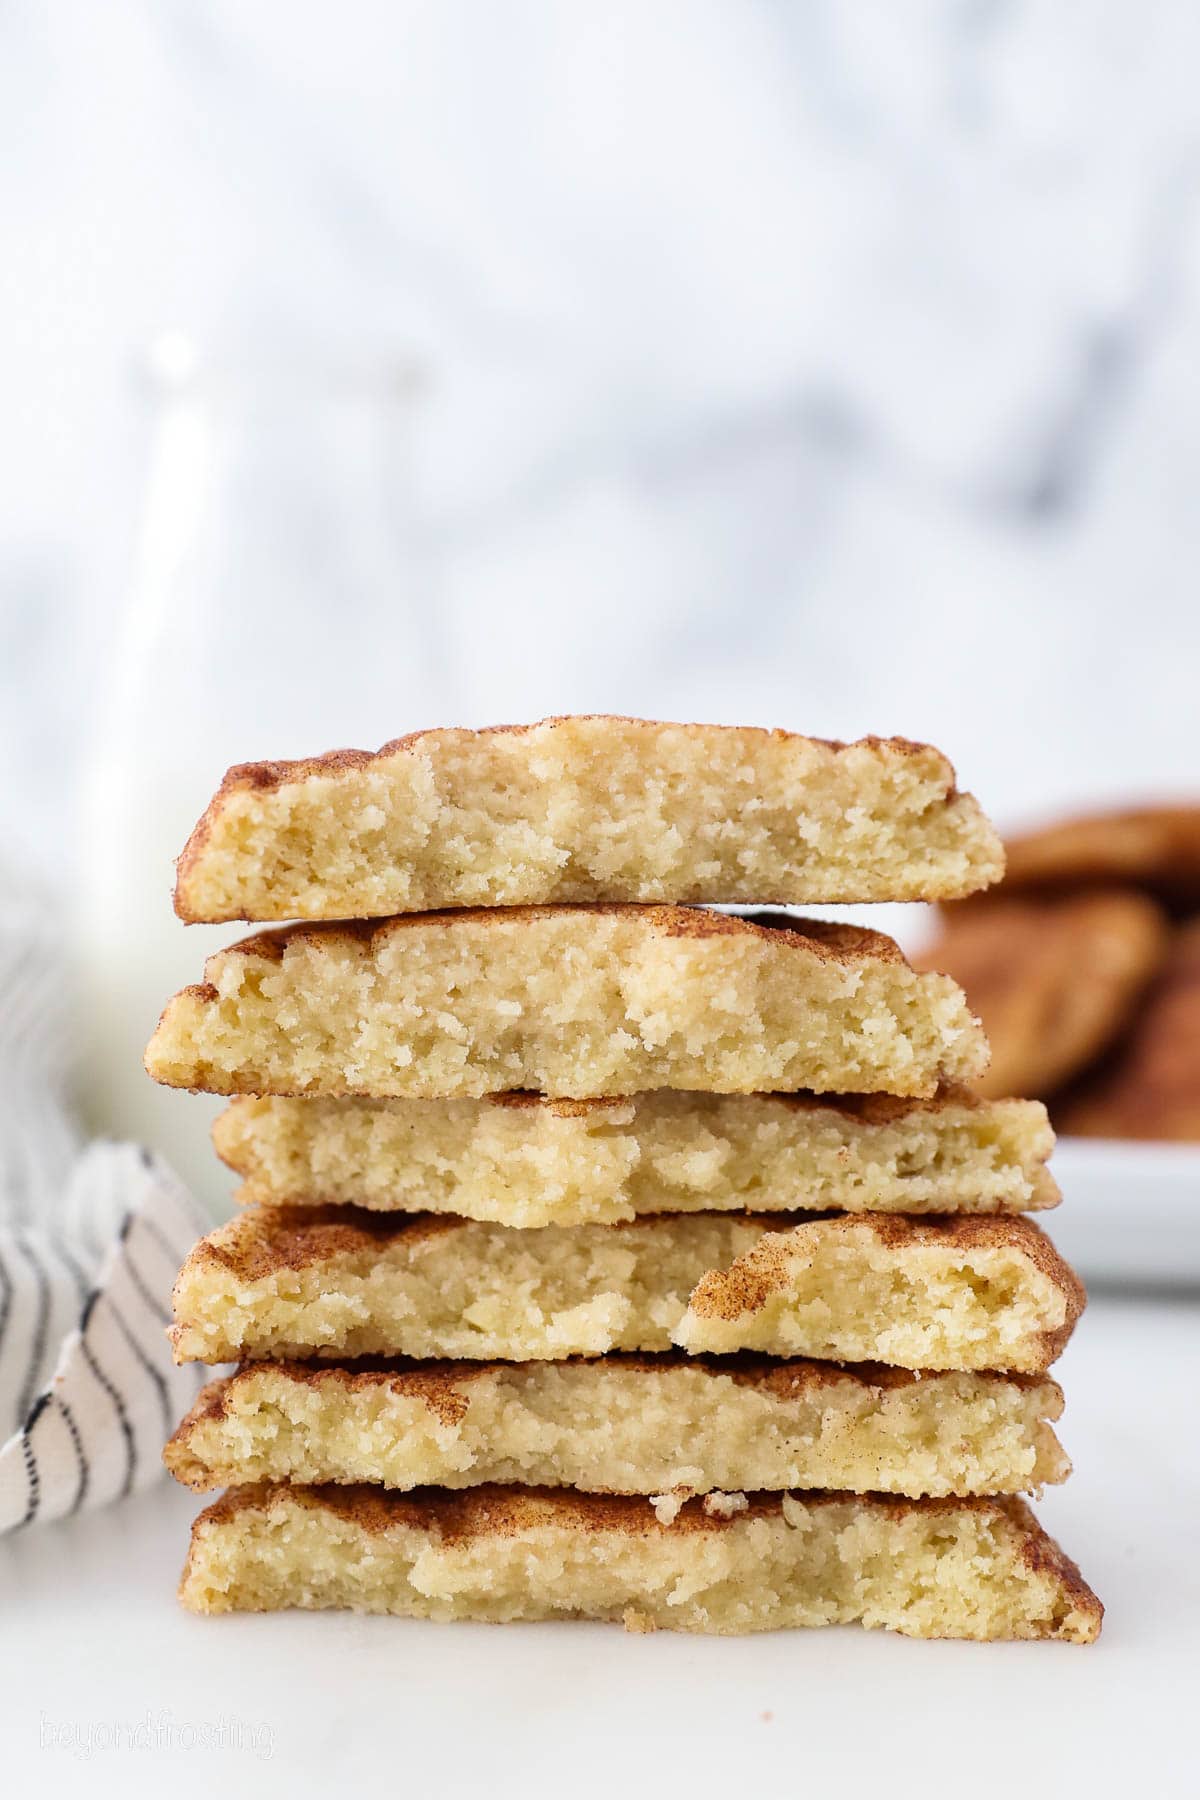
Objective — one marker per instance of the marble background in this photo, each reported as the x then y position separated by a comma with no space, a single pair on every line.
829,365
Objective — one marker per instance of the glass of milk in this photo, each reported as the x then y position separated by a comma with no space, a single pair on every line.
282,603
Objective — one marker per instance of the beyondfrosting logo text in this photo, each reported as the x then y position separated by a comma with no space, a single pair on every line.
85,1738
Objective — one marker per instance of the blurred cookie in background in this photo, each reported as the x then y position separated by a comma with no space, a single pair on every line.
1090,995
1054,981
1154,848
1150,1086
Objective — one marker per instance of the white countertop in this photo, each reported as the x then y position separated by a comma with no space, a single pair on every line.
94,1639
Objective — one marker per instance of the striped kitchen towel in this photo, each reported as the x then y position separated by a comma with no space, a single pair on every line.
88,1389
90,1243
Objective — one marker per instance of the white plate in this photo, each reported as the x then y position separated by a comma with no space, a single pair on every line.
1130,1212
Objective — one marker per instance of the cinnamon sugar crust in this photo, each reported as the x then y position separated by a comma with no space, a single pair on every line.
266,775
497,1510
439,1384
850,945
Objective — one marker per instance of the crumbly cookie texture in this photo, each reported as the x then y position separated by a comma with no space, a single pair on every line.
523,1161
625,1425
582,1002
938,1293
980,1569
580,809
948,1292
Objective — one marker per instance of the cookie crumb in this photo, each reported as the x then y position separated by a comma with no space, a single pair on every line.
725,1506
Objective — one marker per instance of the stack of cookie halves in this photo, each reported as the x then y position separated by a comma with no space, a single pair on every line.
602,1255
